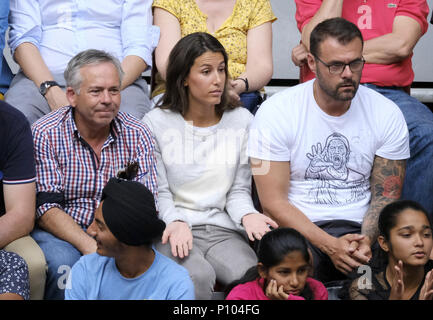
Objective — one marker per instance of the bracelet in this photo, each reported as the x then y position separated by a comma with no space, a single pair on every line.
246,83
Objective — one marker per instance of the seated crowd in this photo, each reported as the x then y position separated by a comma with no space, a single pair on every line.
109,191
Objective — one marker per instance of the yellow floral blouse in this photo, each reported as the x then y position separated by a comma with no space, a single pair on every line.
232,34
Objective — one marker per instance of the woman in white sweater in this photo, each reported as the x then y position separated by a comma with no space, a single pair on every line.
204,178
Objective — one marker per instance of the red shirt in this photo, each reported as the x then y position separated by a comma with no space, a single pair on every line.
374,18
253,290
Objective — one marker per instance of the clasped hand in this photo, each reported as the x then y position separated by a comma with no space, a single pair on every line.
350,251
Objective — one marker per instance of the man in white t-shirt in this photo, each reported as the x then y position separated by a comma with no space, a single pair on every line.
328,155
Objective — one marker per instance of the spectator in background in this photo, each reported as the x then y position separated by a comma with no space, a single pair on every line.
45,34
17,195
244,27
282,271
391,31
402,269
77,149
126,266
5,72
325,158
204,179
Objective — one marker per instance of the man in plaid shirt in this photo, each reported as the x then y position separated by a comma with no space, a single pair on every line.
77,149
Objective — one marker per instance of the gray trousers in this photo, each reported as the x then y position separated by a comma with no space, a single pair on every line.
24,96
217,254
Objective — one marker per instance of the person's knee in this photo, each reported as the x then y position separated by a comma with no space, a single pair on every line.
203,274
204,278
37,276
32,254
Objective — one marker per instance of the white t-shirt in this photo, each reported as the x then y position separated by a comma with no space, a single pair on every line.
331,158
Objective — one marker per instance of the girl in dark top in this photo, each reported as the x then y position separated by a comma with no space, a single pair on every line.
402,270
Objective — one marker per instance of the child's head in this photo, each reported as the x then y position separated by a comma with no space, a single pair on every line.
405,233
283,255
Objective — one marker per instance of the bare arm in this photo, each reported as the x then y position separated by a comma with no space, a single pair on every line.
273,188
395,46
133,67
61,225
170,35
386,49
328,9
19,219
30,60
386,185
259,66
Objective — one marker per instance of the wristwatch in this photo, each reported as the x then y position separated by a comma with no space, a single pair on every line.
46,85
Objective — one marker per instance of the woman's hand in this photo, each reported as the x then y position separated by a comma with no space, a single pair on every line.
397,286
427,289
257,224
234,89
179,235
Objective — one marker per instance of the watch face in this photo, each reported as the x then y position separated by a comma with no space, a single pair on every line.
45,86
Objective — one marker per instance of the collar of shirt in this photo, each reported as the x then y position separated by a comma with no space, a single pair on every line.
115,128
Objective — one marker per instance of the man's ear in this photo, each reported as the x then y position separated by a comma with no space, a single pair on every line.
383,243
311,62
71,95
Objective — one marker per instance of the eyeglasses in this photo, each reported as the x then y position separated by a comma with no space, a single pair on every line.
338,67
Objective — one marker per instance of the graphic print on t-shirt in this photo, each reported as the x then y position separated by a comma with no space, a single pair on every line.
333,181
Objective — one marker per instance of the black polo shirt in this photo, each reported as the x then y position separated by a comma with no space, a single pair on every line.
17,165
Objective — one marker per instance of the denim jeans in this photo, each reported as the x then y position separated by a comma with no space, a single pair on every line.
60,256
251,100
418,183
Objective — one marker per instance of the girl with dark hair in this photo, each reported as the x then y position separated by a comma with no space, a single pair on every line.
204,178
282,272
402,269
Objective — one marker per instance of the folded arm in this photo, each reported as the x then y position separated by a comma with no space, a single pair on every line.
328,9
395,46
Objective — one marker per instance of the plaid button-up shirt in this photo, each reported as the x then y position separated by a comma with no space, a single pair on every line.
69,174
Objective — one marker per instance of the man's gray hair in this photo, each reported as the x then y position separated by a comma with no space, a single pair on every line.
92,56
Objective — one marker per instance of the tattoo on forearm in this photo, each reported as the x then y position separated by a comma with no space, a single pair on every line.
386,185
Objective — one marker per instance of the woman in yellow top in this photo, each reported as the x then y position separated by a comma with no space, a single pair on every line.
244,27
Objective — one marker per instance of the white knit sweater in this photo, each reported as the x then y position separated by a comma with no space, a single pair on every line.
203,173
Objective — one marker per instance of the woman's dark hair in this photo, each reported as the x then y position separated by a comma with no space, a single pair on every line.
272,249
388,220
341,29
180,61
389,215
